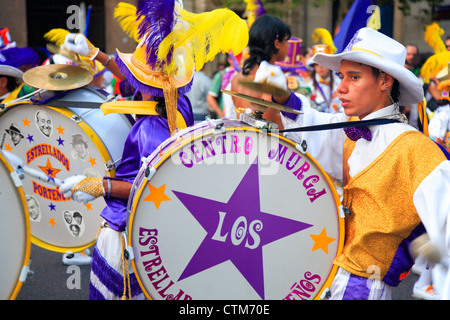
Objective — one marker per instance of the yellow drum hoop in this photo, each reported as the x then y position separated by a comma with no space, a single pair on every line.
105,156
26,258
172,150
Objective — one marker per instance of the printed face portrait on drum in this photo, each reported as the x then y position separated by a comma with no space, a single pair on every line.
14,133
80,147
44,123
74,222
33,208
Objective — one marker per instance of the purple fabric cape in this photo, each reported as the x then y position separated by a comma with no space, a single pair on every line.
145,136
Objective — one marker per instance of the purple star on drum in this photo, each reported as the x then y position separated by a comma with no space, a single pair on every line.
236,231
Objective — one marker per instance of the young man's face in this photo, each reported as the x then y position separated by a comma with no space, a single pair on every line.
360,93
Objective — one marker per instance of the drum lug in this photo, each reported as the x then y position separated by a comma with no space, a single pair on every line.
76,118
109,165
343,211
325,294
302,147
16,177
24,273
128,251
149,172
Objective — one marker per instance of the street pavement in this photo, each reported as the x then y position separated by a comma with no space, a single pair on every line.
52,280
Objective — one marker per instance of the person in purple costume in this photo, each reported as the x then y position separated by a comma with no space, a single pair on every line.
167,110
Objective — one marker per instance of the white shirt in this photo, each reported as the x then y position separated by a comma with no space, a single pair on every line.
431,198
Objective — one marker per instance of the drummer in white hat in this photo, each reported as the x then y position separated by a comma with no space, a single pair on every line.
396,179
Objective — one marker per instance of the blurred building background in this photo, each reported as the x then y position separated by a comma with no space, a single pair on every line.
29,20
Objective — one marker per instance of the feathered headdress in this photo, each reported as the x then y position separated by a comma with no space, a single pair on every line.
441,57
173,43
433,34
125,14
254,9
325,36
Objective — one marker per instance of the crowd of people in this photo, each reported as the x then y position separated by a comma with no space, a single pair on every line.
395,179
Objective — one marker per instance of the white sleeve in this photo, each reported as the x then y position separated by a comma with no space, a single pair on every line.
432,202
325,146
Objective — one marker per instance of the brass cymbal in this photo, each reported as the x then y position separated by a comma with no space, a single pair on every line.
57,77
262,102
264,87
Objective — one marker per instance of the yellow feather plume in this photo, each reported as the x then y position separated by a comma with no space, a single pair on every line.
125,14
57,36
434,64
205,35
433,35
325,36
251,10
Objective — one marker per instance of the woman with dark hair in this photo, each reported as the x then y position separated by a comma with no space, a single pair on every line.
268,41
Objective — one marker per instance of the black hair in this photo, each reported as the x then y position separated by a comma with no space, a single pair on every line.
262,35
395,90
12,83
161,106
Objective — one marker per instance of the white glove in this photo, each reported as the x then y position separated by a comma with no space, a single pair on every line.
82,189
78,43
270,74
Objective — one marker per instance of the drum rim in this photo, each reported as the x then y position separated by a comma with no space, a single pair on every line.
341,221
106,156
26,254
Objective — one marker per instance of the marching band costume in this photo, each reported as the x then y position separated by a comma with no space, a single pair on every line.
162,68
323,82
14,61
395,178
439,126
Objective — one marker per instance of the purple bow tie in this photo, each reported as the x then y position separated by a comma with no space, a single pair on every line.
355,133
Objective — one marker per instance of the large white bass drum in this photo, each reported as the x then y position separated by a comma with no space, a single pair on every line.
63,134
15,237
227,211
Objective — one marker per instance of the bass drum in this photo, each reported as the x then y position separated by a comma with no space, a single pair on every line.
64,141
227,211
15,237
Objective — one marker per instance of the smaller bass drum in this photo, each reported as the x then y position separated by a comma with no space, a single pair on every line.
227,211
64,134
15,237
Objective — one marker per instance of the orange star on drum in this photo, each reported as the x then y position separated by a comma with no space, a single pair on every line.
321,241
60,130
92,161
26,122
88,206
8,147
157,195
52,221
49,170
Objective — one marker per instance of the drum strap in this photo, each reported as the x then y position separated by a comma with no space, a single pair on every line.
138,107
341,125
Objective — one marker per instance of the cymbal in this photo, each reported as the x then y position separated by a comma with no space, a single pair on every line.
57,77
263,102
264,87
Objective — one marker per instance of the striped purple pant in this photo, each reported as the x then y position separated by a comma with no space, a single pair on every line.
347,286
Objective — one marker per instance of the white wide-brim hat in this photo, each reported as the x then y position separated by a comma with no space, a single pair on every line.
375,49
6,70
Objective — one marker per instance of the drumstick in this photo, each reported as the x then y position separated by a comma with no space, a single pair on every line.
17,163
